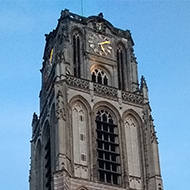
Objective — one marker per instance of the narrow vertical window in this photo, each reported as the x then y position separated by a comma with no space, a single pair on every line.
120,67
38,166
47,159
107,148
48,164
77,54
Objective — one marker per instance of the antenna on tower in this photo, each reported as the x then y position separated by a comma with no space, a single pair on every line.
82,7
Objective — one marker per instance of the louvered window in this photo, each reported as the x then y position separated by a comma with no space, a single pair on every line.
107,148
48,165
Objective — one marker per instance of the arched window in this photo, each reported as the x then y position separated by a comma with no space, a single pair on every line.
99,76
120,66
77,53
107,148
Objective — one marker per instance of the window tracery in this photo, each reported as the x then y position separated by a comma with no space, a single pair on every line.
107,148
99,76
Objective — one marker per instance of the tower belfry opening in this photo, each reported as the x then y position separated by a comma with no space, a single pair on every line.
95,129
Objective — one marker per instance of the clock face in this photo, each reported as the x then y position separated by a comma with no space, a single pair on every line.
100,44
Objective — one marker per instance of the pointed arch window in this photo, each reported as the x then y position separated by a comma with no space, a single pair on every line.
120,66
107,148
99,76
77,43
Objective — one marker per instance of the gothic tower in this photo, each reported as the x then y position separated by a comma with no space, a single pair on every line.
95,129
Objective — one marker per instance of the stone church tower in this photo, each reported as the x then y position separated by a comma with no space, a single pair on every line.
95,129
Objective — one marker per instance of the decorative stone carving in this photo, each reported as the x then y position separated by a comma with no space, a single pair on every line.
74,125
135,182
59,174
82,188
64,36
65,13
106,90
77,82
133,58
132,97
153,135
98,24
132,178
60,57
60,110
35,122
143,83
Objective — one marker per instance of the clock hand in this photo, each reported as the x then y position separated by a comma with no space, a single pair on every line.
103,49
101,45
105,42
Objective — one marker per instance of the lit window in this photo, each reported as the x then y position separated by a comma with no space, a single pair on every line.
99,76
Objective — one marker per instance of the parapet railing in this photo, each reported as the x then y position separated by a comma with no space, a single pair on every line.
100,89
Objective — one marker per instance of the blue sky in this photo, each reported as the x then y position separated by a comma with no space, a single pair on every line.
161,32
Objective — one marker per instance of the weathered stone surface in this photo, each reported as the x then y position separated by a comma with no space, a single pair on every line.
95,129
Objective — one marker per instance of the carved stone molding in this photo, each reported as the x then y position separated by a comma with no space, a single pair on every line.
60,110
61,180
60,57
59,174
132,97
106,90
35,122
77,82
153,135
134,178
63,34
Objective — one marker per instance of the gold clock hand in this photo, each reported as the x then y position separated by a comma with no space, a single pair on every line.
103,49
106,42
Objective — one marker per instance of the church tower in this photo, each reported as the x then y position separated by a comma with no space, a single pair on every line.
95,129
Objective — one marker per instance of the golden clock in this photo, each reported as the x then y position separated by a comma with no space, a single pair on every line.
100,44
